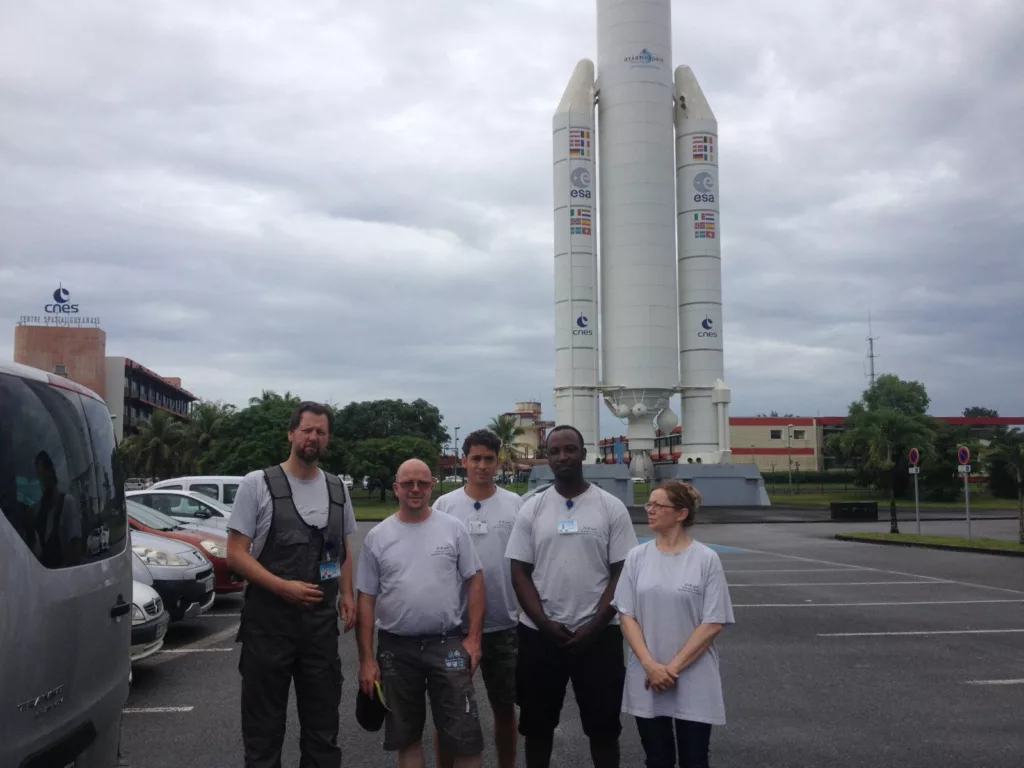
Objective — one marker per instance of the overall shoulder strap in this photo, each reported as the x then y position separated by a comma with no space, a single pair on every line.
335,489
277,483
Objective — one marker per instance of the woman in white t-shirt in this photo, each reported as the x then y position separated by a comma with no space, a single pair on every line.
673,601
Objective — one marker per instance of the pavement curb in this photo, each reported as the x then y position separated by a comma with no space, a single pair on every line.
920,545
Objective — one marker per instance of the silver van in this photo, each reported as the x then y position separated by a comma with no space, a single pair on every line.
65,575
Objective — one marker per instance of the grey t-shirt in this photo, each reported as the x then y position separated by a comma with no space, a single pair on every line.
417,571
252,512
489,529
670,594
571,570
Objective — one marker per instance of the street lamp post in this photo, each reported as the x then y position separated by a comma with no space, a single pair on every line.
455,450
789,441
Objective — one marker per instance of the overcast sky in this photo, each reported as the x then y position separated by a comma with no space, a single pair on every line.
353,201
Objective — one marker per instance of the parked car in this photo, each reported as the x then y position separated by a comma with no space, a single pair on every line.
179,573
212,543
220,487
185,506
149,621
65,567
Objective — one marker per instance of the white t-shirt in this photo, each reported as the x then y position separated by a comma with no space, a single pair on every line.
571,569
669,595
417,571
489,529
253,509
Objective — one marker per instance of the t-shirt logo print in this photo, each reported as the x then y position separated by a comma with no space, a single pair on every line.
455,660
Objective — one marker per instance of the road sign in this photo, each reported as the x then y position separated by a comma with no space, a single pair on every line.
914,456
965,469
915,470
963,454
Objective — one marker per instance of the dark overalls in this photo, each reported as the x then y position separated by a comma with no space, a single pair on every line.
281,641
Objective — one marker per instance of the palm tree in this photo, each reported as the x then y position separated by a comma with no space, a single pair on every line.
884,435
1009,449
197,436
505,427
155,447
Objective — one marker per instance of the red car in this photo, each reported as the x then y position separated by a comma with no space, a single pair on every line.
210,541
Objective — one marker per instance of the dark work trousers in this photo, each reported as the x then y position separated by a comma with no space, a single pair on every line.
278,647
659,740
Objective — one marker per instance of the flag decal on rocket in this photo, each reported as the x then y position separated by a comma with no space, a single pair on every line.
580,221
704,149
579,142
704,225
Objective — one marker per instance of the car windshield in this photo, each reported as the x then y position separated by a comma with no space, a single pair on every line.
206,501
151,518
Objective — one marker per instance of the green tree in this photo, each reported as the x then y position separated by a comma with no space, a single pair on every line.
199,434
507,430
390,418
380,457
980,412
154,449
883,425
892,393
1008,450
252,438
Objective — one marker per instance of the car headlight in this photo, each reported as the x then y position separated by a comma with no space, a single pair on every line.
138,617
154,556
213,548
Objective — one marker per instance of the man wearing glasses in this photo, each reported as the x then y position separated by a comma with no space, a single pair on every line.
410,578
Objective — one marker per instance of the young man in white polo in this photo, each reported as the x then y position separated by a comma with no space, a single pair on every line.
567,549
489,512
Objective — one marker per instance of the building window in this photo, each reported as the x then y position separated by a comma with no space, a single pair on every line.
799,434
776,434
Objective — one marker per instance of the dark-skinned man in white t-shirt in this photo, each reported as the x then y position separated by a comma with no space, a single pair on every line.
567,549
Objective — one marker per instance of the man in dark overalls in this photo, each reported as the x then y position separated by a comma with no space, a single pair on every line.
288,537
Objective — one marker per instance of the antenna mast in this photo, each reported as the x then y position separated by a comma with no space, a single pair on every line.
871,351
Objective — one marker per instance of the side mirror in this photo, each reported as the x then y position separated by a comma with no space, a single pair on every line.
204,514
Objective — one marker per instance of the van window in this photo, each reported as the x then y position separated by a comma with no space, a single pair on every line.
205,489
229,493
61,486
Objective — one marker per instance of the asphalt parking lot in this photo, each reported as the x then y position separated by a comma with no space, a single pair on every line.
843,654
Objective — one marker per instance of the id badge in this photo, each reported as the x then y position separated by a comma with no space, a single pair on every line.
568,526
329,569
478,527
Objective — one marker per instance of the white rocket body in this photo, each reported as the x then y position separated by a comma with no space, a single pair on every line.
660,308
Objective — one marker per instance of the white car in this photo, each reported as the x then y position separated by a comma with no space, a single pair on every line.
186,506
149,621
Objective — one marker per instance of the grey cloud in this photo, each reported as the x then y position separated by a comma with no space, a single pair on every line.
358,205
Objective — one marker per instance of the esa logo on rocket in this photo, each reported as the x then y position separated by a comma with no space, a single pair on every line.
580,178
704,183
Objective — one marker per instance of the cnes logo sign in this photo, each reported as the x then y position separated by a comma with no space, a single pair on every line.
61,303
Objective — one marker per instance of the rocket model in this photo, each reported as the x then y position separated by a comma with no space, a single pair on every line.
636,202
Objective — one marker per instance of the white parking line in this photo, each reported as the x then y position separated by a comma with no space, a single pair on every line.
809,604
219,615
996,682
788,570
840,583
153,710
175,653
896,573
197,650
929,632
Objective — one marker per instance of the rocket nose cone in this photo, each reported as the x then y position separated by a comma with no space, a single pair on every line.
692,95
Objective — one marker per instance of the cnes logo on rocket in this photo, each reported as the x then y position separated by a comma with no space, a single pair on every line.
708,325
582,330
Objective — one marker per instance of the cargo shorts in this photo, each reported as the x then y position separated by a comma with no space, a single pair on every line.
499,652
412,667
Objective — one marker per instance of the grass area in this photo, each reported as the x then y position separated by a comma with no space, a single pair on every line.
822,500
939,541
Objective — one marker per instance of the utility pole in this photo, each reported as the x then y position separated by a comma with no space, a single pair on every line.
871,351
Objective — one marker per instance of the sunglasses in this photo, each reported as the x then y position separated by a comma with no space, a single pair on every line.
409,484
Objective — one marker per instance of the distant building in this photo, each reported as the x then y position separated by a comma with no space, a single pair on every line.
528,418
132,391
775,444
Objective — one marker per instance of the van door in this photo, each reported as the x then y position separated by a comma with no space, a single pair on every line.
65,566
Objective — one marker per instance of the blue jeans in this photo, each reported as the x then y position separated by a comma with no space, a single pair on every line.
660,739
